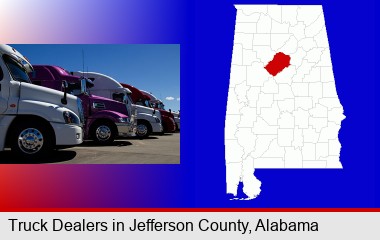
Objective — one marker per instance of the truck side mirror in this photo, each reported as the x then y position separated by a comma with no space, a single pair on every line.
64,86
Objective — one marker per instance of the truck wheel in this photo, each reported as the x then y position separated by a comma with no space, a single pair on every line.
143,129
103,133
31,140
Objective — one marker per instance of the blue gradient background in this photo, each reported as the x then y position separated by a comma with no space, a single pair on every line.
205,31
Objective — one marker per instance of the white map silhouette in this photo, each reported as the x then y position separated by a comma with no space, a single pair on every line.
292,119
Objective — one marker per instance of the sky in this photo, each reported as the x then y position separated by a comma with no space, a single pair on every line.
151,67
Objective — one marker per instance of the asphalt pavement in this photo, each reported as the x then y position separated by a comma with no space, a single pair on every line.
156,149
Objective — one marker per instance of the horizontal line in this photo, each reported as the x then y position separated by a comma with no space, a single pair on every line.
189,209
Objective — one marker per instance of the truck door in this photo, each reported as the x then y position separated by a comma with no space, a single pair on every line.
3,95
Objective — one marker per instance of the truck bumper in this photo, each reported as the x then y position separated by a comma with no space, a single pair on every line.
157,127
126,129
67,135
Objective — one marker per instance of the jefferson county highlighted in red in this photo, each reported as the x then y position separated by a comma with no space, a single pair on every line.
279,62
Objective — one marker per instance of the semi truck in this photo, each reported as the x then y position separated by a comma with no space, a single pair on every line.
105,119
177,119
168,117
148,120
33,119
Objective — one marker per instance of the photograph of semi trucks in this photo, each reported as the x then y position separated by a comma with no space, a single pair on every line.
148,120
45,108
104,118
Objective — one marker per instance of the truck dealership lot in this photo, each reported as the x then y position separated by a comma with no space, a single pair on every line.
156,149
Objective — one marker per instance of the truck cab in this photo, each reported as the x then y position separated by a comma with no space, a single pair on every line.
167,117
177,119
147,119
34,119
105,86
105,119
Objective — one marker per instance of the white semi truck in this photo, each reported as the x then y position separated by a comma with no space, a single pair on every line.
177,119
157,103
34,119
148,120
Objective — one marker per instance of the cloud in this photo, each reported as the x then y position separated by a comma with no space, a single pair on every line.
169,98
178,99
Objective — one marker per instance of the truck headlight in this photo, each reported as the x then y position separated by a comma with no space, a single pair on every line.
124,120
70,118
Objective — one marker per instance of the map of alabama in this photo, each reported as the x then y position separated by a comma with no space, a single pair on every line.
283,109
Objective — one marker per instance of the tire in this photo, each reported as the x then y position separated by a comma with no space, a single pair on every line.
31,140
143,129
103,133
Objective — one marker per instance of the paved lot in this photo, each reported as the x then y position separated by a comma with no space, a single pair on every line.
154,150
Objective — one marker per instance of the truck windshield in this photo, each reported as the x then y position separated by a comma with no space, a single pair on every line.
80,87
161,106
120,97
158,105
147,104
18,72
75,88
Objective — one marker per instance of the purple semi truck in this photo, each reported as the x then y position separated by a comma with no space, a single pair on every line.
105,119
